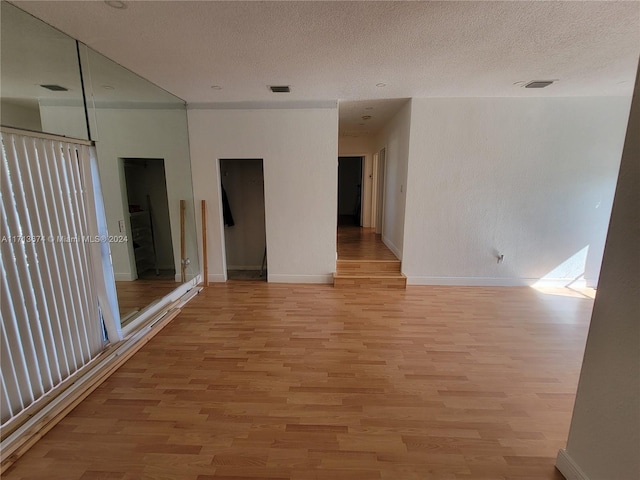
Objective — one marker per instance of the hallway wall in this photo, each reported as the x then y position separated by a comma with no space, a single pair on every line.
395,137
299,148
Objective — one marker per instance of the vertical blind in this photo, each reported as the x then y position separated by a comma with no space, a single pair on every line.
52,316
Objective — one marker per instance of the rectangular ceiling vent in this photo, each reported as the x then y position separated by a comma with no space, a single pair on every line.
55,88
280,88
538,84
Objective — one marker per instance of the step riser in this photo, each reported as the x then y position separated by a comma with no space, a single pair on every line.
370,282
365,267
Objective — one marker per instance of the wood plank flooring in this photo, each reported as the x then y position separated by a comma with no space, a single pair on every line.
138,294
365,262
264,381
356,243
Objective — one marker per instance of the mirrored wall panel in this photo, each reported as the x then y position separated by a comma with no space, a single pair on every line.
141,137
40,77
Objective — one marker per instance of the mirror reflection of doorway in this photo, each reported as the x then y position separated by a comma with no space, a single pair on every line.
350,191
149,218
244,219
152,262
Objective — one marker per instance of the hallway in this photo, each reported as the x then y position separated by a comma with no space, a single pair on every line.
365,262
356,243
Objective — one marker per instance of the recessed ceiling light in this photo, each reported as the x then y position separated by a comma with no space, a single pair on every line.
116,4
381,84
216,87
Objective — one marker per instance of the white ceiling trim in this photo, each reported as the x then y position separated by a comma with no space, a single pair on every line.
265,105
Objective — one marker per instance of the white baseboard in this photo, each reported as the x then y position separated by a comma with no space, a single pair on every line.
568,468
495,281
276,278
217,277
469,281
561,282
123,277
392,247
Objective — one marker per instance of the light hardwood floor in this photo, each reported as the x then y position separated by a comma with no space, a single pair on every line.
356,243
256,381
365,262
136,295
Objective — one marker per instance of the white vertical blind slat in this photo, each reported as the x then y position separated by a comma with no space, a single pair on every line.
94,330
17,264
39,321
5,395
67,261
51,323
101,255
49,305
14,368
82,243
58,263
49,264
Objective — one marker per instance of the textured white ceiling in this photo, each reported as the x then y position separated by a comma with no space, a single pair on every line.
341,50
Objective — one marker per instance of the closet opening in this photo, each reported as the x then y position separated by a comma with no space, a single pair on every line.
243,209
150,227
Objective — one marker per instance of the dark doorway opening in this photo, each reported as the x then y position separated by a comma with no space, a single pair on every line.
150,226
244,219
350,191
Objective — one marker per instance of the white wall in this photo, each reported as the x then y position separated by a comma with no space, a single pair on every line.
300,153
361,147
245,241
532,179
20,116
137,133
395,139
604,438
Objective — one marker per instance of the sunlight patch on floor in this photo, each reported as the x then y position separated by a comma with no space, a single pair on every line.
567,279
575,292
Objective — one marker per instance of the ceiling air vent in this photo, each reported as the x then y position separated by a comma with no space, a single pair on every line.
55,88
280,88
538,84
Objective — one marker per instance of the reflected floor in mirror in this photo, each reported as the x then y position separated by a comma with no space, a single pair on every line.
137,295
